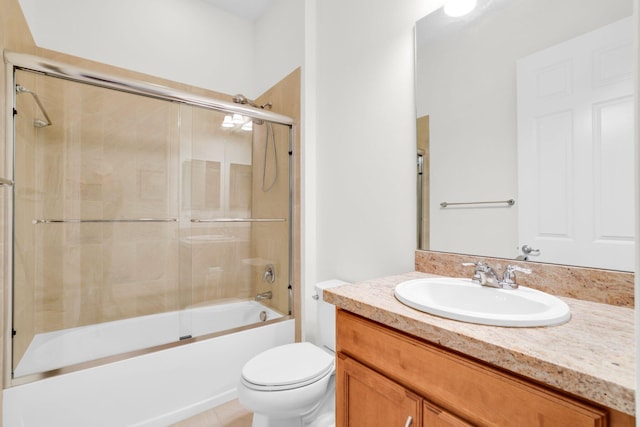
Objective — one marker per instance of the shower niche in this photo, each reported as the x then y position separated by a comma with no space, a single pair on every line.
135,215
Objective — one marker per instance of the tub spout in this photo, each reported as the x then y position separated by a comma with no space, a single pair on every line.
264,295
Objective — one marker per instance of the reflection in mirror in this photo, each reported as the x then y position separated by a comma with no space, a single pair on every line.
470,87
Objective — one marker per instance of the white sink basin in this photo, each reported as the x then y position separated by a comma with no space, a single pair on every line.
464,300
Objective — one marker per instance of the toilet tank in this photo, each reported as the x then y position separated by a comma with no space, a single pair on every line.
326,316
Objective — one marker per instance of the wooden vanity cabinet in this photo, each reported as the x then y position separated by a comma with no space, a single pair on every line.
374,399
371,399
384,376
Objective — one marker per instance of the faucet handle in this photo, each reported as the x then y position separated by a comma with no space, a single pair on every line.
480,269
513,268
478,264
509,278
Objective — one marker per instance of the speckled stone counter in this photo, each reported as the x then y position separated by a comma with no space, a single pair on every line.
591,356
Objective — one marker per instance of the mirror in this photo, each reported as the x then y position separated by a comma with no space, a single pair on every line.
467,119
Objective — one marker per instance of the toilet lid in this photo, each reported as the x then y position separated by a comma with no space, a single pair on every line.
287,366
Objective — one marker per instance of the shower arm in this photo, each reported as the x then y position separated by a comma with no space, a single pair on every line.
36,122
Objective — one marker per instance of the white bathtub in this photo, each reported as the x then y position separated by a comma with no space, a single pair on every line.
67,347
155,389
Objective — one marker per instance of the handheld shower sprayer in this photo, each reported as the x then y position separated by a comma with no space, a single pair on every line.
241,99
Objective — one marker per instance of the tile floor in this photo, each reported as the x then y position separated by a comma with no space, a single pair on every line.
230,414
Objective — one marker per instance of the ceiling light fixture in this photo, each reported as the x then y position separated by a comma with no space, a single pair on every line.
248,126
227,122
457,8
238,119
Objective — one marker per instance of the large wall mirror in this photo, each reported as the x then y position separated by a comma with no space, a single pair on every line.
525,117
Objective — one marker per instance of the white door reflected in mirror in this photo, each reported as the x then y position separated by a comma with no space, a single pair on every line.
576,108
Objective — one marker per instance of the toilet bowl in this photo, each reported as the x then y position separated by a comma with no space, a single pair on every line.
293,385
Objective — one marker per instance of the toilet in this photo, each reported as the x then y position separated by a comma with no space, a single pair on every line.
293,385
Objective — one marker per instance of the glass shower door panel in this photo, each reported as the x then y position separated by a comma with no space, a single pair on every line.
216,175
233,225
96,225
271,240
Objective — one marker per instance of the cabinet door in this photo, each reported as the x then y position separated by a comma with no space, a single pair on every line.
364,398
433,416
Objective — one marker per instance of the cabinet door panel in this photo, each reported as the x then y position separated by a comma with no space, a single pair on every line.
432,416
367,399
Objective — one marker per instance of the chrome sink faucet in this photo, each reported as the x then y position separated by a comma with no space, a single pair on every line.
485,275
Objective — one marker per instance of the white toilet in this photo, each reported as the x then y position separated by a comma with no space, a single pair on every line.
293,385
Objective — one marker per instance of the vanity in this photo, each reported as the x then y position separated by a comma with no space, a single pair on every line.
400,366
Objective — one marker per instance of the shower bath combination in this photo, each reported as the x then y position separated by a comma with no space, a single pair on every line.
141,219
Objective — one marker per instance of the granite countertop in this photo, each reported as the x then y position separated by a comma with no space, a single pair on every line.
591,356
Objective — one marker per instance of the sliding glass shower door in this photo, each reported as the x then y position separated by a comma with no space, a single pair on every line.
129,212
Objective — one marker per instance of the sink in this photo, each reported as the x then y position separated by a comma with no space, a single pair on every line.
464,300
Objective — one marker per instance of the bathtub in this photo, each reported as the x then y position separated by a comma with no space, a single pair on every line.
154,389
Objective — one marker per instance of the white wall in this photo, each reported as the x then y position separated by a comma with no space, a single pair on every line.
278,43
188,41
636,47
365,141
467,84
359,146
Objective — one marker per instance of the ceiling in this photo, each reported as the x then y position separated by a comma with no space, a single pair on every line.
246,9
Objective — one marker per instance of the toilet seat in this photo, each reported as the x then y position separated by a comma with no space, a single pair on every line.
287,367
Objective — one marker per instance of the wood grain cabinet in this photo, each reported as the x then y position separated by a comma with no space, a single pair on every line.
372,399
387,378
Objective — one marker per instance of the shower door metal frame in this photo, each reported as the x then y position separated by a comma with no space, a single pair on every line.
19,61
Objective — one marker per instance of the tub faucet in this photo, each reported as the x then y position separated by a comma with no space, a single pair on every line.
485,275
264,295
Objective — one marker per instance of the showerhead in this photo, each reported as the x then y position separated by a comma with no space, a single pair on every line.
39,123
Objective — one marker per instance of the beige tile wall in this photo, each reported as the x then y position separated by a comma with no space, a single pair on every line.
219,186
114,156
107,156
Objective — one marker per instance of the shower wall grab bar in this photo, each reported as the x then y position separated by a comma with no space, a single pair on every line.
4,182
77,221
199,220
36,122
509,202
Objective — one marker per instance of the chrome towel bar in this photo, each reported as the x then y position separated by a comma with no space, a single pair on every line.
76,221
198,220
509,202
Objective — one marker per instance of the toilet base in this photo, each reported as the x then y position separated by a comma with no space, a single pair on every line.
323,415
